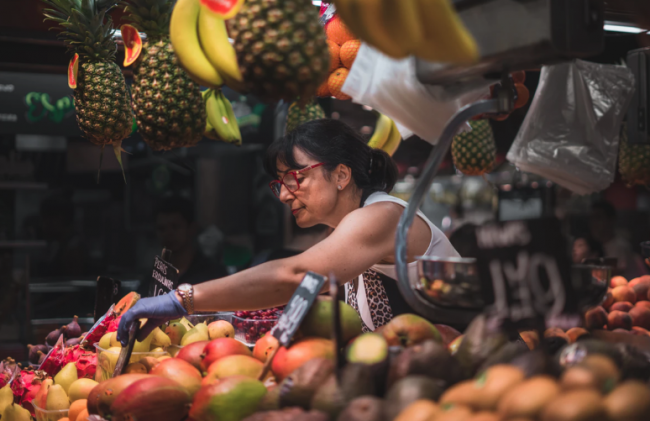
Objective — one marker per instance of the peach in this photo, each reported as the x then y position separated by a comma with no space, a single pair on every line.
640,317
596,318
552,332
639,331
618,319
645,304
641,290
608,300
624,293
619,330
617,281
623,306
635,281
575,332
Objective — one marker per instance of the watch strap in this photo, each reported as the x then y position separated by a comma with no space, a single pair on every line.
187,294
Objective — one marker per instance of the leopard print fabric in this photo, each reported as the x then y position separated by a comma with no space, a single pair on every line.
380,309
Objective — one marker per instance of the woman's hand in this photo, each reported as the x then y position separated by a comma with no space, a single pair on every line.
157,310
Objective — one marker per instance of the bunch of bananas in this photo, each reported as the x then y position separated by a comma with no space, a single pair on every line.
386,136
429,29
200,40
221,123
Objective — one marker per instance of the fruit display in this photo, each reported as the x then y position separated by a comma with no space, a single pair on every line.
430,30
281,49
167,104
386,136
475,152
102,103
633,161
343,47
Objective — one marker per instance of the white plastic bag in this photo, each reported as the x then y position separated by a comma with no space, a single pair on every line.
571,132
391,87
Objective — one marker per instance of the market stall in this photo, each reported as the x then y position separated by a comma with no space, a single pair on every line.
511,329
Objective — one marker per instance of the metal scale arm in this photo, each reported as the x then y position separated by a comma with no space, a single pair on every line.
503,103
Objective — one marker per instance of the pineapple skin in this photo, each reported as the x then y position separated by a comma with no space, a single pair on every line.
281,48
633,161
102,103
475,152
298,115
168,105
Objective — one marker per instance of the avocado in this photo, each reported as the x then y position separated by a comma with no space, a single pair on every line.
533,363
505,354
408,390
479,342
429,359
364,408
299,387
634,362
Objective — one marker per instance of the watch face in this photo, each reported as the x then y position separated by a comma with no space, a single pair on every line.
184,287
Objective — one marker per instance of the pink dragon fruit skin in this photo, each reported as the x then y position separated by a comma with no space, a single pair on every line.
85,361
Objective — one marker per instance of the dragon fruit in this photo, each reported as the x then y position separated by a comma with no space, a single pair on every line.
7,369
101,328
26,384
85,361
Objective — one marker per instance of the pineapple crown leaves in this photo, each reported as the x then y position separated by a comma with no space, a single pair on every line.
149,16
83,28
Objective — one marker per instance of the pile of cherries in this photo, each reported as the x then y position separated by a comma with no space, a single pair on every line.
256,323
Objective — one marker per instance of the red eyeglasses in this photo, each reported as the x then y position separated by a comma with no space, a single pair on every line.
290,180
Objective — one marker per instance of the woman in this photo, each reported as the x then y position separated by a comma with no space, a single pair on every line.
326,174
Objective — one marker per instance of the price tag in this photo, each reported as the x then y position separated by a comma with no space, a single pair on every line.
298,306
163,279
525,270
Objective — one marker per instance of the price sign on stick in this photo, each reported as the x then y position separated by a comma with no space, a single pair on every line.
164,277
294,313
525,270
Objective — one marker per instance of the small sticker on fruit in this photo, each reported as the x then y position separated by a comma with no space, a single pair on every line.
132,44
226,9
73,68
224,119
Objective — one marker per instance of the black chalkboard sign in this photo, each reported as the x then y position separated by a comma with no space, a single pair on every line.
163,279
525,270
298,306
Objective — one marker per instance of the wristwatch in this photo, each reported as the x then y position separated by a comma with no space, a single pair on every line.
186,291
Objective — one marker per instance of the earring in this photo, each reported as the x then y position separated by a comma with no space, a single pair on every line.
340,187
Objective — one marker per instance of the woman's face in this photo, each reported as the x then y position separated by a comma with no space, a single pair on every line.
580,250
317,196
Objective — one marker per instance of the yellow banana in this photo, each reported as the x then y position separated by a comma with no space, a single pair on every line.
394,140
445,37
217,48
217,111
232,119
402,22
381,133
184,37
369,15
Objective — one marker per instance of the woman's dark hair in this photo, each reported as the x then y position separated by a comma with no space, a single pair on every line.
333,142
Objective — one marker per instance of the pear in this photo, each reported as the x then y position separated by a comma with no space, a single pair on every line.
114,341
81,389
186,323
106,340
57,399
175,332
143,346
41,395
195,334
160,339
15,412
6,397
107,361
66,376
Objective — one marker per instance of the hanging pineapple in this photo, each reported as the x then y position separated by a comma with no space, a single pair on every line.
168,105
101,99
475,152
281,48
298,115
634,161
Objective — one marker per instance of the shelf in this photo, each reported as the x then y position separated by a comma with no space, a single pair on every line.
72,286
21,244
22,185
62,321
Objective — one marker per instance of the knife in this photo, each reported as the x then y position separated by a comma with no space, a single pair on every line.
125,353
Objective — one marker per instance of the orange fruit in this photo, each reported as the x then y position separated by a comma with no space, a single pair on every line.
336,81
323,90
349,52
335,51
83,415
338,32
76,408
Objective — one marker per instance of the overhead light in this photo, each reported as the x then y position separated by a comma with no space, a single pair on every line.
619,27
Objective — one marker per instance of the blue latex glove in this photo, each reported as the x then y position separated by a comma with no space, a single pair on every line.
157,310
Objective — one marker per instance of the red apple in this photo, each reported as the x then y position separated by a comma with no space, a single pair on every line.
619,320
623,306
624,293
221,347
448,333
596,318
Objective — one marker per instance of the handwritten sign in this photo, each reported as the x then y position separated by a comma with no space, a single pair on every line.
163,279
298,306
525,271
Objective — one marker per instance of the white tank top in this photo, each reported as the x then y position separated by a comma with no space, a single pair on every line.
439,245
